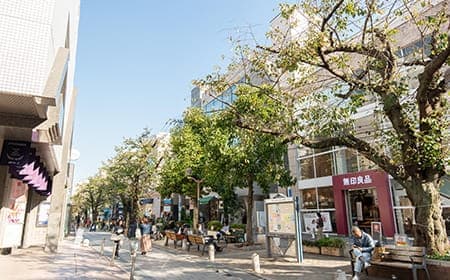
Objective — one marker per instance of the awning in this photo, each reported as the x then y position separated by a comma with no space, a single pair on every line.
206,199
24,165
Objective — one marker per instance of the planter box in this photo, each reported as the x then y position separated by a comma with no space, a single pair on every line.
311,249
332,251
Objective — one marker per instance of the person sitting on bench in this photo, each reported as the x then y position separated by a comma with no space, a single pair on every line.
363,245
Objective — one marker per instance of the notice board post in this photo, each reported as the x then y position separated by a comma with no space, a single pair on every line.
282,221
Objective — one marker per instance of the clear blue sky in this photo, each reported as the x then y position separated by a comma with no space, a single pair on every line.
136,60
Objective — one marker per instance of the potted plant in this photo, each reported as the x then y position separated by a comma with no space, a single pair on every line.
310,246
331,246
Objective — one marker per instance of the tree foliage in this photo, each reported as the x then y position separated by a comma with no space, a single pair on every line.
224,157
331,59
92,196
130,172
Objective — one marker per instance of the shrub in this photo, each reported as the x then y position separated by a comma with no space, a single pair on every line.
310,243
238,226
331,242
214,225
444,257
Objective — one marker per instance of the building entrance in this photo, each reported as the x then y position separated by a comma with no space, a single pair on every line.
362,208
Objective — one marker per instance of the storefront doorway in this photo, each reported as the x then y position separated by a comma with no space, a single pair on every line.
362,208
363,197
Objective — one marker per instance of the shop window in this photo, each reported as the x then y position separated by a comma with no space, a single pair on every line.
446,217
405,220
309,221
326,197
324,165
309,199
346,161
307,168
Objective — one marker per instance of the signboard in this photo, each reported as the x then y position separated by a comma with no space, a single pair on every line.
310,222
42,216
377,234
167,208
280,216
15,214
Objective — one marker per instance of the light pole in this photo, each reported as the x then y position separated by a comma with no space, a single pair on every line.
198,182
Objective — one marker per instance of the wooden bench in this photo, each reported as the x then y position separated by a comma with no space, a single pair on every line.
413,258
173,236
196,240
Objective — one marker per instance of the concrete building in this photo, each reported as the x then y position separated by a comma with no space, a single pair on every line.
37,100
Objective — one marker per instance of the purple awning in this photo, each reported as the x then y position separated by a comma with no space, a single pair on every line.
24,165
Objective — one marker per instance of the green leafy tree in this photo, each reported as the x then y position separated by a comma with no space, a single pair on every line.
248,158
348,55
92,196
130,172
223,156
188,142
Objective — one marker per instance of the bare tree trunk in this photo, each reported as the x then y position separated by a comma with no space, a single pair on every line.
249,226
430,228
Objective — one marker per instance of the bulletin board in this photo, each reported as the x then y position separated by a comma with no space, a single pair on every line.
280,217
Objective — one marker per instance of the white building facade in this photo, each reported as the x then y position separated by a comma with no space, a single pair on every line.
37,101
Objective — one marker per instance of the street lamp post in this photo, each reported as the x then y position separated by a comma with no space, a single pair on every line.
198,182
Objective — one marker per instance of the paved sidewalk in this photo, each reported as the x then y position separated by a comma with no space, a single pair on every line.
314,267
71,262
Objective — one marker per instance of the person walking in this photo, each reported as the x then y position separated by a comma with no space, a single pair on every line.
146,242
117,236
319,225
363,246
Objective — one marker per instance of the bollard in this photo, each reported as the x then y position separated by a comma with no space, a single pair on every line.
102,247
184,244
255,262
211,252
133,265
113,254
134,245
340,275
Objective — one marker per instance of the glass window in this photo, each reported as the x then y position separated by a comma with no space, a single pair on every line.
366,164
309,221
446,216
324,165
304,151
400,197
326,197
346,161
307,168
405,218
309,198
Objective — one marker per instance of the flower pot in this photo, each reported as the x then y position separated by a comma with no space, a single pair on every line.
311,249
332,251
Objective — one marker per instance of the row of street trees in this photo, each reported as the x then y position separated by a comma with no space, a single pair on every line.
124,178
224,157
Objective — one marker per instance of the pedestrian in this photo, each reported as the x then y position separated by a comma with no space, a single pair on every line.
223,231
362,248
319,225
146,242
117,236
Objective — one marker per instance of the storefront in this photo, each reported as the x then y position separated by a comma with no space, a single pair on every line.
25,185
362,198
